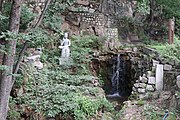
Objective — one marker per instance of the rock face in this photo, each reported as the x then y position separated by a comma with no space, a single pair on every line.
100,16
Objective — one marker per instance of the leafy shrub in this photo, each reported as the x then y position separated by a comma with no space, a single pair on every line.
26,17
54,90
171,52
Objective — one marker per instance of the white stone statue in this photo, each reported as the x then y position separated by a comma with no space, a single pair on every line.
65,53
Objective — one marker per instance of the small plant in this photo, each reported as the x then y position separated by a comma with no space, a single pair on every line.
140,102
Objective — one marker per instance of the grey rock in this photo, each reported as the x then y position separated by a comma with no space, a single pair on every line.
178,81
167,67
144,80
134,89
155,62
142,96
136,85
135,49
150,88
152,80
91,10
141,90
149,73
156,95
140,85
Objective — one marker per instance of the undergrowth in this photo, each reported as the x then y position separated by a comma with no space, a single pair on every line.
58,89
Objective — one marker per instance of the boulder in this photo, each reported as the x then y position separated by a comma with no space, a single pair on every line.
167,67
151,80
134,89
141,90
149,73
150,88
143,79
140,85
82,2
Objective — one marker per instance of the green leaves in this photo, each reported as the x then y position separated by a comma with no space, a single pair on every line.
26,17
143,7
171,52
3,67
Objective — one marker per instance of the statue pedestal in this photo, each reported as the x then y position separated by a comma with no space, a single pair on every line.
65,61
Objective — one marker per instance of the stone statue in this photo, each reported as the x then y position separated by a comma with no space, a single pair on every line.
65,53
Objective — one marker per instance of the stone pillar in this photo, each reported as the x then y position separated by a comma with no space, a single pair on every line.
171,30
159,77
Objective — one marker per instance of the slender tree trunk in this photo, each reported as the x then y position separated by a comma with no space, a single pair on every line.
6,80
42,14
152,4
1,5
26,43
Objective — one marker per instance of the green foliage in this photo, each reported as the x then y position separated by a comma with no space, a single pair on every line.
5,17
26,17
143,7
39,37
151,113
57,90
154,113
140,102
171,52
60,5
83,46
89,107
52,21
170,8
13,114
3,67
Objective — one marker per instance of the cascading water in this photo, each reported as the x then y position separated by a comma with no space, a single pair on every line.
115,77
119,79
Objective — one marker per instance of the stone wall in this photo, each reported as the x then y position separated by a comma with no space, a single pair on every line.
151,76
161,76
96,17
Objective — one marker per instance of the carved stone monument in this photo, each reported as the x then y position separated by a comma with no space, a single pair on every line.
65,52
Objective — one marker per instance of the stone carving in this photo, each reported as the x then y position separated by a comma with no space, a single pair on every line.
65,53
159,77
34,59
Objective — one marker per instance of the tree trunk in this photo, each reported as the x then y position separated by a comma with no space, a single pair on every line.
6,80
152,4
26,43
1,5
42,14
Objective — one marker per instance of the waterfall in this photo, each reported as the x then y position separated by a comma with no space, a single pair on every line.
115,80
119,76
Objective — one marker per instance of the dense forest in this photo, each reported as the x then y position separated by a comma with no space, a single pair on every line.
38,83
